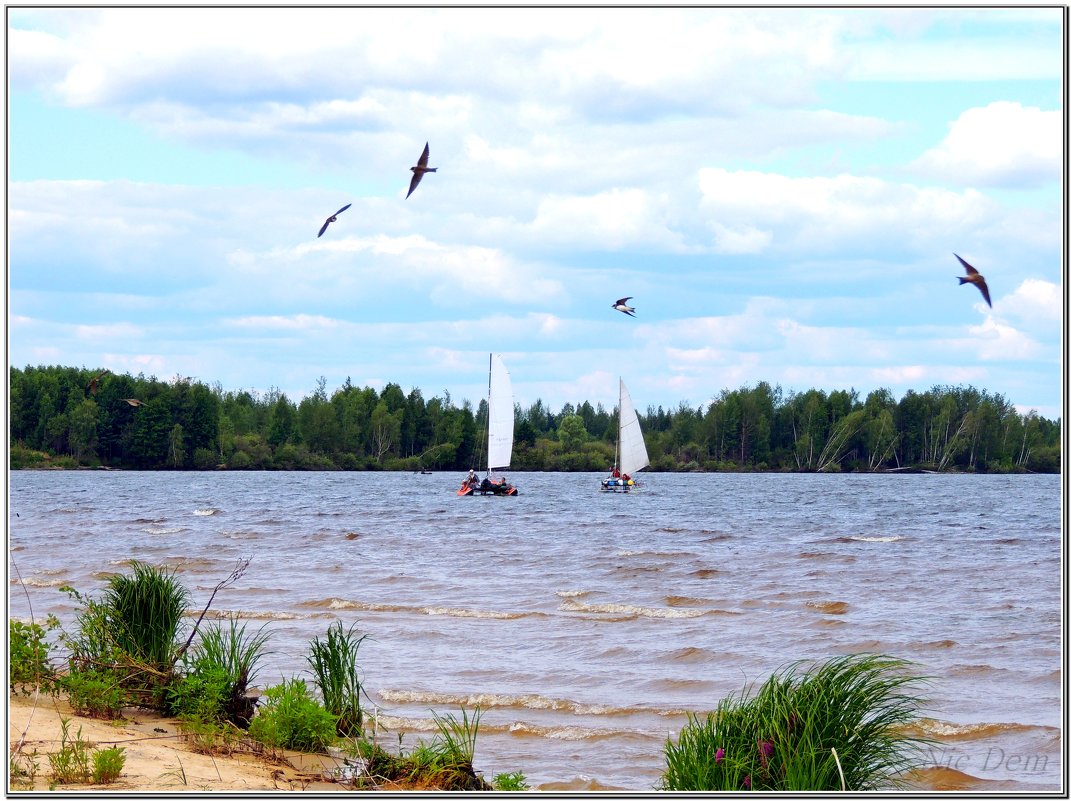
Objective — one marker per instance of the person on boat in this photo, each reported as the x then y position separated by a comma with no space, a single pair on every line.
626,478
471,479
616,473
486,484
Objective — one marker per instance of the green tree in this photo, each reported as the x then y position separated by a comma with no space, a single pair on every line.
571,433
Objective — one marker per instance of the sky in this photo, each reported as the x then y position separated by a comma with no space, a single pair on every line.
780,191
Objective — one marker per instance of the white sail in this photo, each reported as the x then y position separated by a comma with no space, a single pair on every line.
499,416
633,450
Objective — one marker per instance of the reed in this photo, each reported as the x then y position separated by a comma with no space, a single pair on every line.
333,663
233,652
233,649
839,724
457,738
145,611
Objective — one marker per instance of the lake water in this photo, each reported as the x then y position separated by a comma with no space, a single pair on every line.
587,625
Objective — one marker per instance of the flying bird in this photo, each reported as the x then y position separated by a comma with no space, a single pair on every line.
133,401
332,219
92,385
622,306
976,278
419,170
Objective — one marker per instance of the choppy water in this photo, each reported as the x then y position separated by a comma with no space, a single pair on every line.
587,625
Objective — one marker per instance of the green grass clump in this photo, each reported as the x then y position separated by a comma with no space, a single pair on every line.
217,672
290,718
790,735
442,763
333,662
145,610
70,765
108,764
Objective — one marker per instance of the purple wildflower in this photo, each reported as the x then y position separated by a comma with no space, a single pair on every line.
747,782
765,752
719,755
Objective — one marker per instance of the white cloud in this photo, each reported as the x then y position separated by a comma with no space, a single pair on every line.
614,219
998,341
820,214
1002,144
1033,303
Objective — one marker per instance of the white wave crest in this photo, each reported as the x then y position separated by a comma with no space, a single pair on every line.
206,511
486,700
893,538
479,613
627,609
31,581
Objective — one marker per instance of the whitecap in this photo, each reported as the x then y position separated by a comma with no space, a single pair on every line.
627,609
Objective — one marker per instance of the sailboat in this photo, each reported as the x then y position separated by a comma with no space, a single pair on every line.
499,435
631,453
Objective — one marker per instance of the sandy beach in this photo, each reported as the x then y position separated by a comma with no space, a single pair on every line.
159,757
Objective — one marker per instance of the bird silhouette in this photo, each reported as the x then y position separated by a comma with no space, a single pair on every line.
134,401
332,219
976,278
419,170
92,385
621,304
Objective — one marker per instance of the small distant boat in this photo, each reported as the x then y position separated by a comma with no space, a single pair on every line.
631,454
499,434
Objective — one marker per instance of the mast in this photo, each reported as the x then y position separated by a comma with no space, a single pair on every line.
617,449
490,356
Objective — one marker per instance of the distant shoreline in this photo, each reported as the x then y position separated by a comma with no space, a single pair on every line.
460,472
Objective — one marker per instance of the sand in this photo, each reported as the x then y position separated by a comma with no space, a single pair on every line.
158,755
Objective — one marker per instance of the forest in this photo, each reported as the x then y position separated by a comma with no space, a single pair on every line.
79,417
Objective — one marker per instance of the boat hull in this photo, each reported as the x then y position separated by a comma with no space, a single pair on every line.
496,489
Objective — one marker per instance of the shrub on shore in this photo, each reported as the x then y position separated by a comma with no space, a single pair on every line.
839,725
291,718
28,652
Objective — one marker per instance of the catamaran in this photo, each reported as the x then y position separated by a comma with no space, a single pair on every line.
499,435
631,453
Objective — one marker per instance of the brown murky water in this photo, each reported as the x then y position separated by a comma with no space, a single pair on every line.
586,626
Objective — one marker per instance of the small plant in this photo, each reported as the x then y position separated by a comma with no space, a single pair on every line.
838,724
458,737
22,769
28,655
212,738
290,718
94,693
200,697
70,765
108,764
510,782
333,664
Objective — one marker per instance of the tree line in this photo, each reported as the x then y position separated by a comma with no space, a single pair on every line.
60,416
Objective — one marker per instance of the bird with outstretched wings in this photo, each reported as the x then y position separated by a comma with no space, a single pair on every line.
332,219
419,170
974,277
621,304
